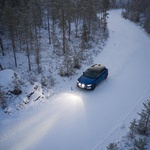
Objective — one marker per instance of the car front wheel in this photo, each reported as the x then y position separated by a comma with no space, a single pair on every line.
93,87
106,76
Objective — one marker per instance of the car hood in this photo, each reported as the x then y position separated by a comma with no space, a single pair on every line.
86,80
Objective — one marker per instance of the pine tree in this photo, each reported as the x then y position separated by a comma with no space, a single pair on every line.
3,102
17,82
67,65
133,129
144,122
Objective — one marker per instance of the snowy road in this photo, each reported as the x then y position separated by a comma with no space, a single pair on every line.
82,120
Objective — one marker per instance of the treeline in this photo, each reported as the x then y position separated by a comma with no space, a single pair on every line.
117,3
138,11
22,22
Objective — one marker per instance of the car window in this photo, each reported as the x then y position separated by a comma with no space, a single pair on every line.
90,73
102,71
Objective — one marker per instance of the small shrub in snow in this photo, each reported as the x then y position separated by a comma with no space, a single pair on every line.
44,81
32,78
48,81
66,71
77,62
51,81
112,146
133,129
8,110
140,144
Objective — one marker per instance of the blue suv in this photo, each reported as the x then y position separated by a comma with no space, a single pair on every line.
92,76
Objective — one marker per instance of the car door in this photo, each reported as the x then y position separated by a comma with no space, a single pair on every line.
102,75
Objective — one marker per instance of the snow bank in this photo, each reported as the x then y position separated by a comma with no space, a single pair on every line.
6,77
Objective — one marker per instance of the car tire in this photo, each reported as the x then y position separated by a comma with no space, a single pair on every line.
93,87
106,76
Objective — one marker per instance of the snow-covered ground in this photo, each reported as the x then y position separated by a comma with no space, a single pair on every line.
84,120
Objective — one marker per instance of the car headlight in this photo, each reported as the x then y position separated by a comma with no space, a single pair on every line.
83,85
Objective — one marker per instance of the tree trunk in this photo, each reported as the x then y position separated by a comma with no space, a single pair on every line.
28,56
49,29
1,45
14,48
63,29
69,32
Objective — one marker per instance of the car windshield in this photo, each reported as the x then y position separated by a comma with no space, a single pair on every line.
90,73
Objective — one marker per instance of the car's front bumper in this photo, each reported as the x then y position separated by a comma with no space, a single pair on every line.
84,86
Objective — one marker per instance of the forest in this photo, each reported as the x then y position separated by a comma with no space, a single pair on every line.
138,11
23,22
